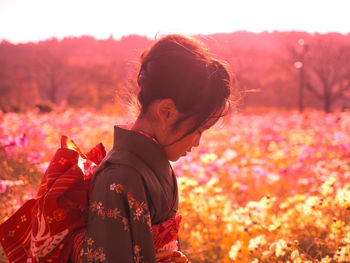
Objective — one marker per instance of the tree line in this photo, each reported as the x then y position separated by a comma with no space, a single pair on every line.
279,69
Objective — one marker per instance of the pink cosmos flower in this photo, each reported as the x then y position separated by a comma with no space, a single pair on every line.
3,187
34,157
259,171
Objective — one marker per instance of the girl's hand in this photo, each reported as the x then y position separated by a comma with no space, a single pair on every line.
175,256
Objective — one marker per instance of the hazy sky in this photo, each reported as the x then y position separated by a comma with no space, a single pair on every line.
33,20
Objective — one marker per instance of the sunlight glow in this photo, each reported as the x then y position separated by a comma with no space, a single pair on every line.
35,20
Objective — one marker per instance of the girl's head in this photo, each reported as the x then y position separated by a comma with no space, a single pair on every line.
180,73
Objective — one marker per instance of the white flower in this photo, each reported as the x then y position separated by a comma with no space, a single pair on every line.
280,246
256,242
327,187
235,250
326,260
269,252
295,256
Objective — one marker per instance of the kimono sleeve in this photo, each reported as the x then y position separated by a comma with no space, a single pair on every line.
119,224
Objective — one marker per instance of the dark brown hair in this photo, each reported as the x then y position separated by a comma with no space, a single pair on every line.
180,68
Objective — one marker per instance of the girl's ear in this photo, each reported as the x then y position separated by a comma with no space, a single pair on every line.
167,111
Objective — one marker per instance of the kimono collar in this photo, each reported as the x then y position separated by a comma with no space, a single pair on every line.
144,147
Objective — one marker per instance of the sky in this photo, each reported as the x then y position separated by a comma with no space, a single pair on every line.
35,20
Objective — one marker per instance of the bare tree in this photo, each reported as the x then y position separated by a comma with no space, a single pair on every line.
296,47
327,70
322,66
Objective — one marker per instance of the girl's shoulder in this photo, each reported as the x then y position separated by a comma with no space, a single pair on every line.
123,165
119,174
126,170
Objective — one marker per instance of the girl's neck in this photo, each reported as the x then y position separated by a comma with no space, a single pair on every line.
145,127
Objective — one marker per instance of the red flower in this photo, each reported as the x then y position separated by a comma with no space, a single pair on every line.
59,214
90,241
110,213
119,189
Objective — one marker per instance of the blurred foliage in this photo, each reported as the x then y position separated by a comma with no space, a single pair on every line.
85,72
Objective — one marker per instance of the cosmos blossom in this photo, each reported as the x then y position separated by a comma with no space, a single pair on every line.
262,188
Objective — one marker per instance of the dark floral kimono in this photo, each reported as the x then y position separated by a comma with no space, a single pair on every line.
133,203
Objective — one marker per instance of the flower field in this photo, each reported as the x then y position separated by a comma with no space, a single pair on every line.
262,187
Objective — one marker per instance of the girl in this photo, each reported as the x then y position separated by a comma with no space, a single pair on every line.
134,197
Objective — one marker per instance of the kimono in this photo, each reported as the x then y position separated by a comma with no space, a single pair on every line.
133,203
97,208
